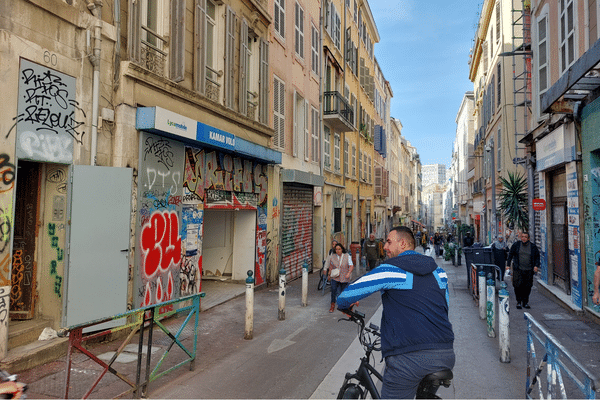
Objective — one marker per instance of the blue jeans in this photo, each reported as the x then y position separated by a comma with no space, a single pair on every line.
337,288
404,372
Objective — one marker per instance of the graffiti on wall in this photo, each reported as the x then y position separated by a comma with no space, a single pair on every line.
4,304
59,258
159,225
47,125
8,173
191,233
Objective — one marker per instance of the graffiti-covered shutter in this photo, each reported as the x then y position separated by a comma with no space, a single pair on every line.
297,217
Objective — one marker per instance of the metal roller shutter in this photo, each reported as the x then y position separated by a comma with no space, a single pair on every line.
296,240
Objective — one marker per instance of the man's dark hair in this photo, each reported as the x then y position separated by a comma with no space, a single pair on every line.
406,233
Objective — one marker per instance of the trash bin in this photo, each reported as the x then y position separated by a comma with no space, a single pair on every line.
482,255
468,252
355,252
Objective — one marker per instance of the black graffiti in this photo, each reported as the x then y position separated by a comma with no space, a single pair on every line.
161,149
5,230
56,176
7,169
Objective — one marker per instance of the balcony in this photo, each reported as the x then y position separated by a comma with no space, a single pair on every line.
337,113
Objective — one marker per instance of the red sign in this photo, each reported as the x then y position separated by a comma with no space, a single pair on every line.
539,204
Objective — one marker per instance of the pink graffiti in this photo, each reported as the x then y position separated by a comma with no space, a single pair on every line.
160,243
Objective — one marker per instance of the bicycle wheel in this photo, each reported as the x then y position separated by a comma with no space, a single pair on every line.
321,280
351,391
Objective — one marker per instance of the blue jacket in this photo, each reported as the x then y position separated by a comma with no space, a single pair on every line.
415,299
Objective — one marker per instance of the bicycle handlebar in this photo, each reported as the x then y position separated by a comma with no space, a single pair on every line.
359,318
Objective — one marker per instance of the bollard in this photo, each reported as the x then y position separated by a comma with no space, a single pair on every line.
482,294
281,315
504,324
304,284
248,331
491,306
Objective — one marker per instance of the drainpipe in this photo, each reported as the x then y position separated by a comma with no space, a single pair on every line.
322,144
95,8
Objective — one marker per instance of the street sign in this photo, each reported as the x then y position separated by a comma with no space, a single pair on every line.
539,204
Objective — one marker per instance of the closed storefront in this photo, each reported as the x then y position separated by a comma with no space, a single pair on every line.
297,231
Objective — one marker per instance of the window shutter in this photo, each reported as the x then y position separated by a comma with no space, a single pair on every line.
295,131
243,68
200,46
386,183
279,112
133,35
229,57
263,83
306,130
177,53
377,142
378,180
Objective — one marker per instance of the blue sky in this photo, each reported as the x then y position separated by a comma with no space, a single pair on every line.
424,52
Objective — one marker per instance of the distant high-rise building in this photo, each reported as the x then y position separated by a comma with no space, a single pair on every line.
434,173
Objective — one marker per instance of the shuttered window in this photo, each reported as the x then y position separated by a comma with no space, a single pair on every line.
200,25
279,17
316,135
314,50
263,109
278,113
244,68
299,30
229,57
177,56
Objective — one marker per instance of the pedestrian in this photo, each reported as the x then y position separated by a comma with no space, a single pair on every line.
468,240
371,252
437,243
339,271
596,296
424,242
526,261
416,333
500,252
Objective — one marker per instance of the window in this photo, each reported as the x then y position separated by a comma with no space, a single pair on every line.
497,22
566,34
279,18
327,147
336,154
314,49
299,29
499,150
301,137
316,135
542,56
355,12
354,161
230,68
346,157
337,29
360,168
485,55
370,180
499,84
278,113
209,43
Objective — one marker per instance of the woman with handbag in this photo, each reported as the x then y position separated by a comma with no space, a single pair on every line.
339,271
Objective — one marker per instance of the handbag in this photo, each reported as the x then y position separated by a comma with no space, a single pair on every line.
335,273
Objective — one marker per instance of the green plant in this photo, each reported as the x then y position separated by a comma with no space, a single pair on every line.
449,251
513,201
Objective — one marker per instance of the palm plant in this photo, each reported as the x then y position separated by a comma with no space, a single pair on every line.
513,201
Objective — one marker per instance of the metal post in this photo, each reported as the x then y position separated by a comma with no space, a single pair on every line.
482,294
504,324
491,306
282,280
249,329
304,284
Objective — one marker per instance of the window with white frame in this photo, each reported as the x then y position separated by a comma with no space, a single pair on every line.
566,33
327,147
314,49
316,135
360,168
337,30
542,56
354,161
300,138
336,152
299,30
497,22
278,113
279,17
346,157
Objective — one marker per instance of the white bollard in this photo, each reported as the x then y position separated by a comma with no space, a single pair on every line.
281,314
504,324
249,328
482,294
491,306
304,284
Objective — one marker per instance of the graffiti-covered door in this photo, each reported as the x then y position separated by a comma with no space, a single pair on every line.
100,225
22,293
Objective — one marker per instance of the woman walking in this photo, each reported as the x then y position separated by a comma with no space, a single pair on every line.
339,271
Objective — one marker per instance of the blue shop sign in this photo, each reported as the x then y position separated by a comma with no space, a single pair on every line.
215,137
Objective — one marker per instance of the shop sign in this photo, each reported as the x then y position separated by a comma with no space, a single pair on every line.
539,204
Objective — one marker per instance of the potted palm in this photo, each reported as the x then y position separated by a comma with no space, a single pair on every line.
513,201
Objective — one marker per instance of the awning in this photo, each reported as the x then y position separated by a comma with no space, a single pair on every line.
416,222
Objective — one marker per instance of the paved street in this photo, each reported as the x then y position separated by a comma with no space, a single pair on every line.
307,354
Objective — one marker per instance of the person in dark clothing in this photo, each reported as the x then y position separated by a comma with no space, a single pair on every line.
500,252
371,252
416,334
526,262
438,242
468,240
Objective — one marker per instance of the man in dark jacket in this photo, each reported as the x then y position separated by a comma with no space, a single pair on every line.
416,333
371,252
526,262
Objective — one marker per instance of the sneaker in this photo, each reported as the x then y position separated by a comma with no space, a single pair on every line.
527,306
519,306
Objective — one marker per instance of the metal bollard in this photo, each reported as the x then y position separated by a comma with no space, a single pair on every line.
504,324
482,294
282,280
491,306
304,284
249,329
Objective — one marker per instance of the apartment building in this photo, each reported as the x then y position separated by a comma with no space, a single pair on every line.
499,121
463,162
563,144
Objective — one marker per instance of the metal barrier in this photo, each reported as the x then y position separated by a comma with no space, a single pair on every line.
555,361
141,319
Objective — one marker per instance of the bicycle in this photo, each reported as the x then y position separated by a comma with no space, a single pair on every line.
323,282
359,384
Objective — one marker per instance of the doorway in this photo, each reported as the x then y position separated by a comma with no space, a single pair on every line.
560,247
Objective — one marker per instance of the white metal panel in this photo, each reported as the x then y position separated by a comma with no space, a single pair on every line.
99,229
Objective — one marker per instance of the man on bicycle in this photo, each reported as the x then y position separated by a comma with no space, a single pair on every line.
416,334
